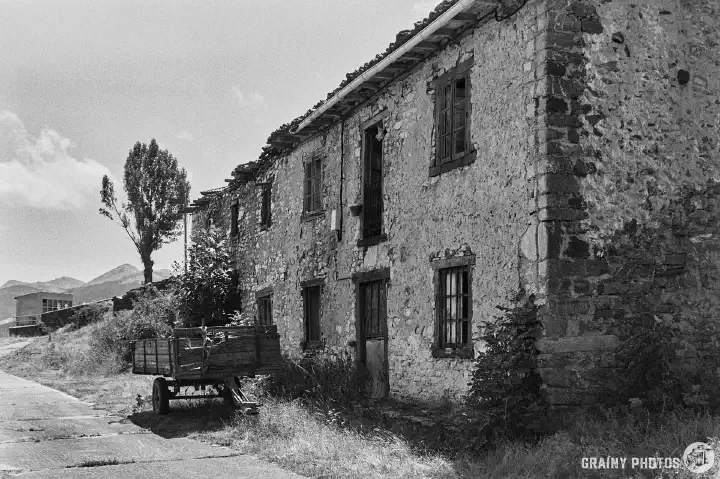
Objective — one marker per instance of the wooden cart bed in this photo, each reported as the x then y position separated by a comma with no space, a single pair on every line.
216,353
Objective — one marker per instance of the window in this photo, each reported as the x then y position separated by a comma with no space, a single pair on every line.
452,120
264,306
371,312
311,305
234,299
313,186
49,305
234,210
265,218
453,307
372,215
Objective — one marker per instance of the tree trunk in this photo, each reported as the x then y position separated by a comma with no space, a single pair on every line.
148,264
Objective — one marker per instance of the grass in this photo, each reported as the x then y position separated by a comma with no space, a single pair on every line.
322,442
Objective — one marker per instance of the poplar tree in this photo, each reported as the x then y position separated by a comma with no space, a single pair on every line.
157,190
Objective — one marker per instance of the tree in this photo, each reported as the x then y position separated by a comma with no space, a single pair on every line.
206,287
156,190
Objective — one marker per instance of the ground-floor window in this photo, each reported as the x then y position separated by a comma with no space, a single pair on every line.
453,306
311,306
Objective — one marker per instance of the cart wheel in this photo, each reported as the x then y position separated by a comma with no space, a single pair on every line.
160,396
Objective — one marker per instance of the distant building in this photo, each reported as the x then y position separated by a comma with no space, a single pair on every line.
30,306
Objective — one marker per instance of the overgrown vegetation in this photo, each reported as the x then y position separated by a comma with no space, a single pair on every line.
88,314
649,374
205,290
152,316
330,379
505,388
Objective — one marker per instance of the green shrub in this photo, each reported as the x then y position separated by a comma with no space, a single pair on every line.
88,314
321,377
152,316
505,389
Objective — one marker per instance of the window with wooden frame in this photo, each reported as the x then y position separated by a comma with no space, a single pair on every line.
312,294
234,210
265,199
452,120
453,307
263,299
312,192
373,207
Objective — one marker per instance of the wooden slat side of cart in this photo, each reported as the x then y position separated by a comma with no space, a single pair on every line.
212,356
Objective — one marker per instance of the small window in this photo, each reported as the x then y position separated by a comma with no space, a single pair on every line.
311,303
45,306
264,305
234,209
265,200
453,307
452,120
313,186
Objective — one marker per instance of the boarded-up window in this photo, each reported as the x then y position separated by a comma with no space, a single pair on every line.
311,301
313,185
452,121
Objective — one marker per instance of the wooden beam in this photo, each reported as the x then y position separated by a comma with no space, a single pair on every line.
469,17
413,55
445,32
426,45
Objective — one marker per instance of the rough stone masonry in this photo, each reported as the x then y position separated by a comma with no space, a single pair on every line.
595,127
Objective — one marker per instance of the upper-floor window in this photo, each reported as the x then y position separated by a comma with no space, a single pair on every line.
265,200
453,307
234,209
452,120
312,191
372,212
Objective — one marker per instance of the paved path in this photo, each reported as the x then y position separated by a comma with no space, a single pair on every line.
45,433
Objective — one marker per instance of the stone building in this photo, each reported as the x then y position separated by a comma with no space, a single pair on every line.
553,151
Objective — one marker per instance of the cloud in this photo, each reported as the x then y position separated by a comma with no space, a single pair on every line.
38,171
253,99
185,136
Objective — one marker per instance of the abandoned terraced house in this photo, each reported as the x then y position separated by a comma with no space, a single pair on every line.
559,153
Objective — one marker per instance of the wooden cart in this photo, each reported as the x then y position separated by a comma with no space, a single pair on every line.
214,357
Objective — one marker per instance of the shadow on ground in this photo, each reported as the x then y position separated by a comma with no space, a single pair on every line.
186,419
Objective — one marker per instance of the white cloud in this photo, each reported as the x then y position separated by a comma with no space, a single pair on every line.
39,171
253,99
238,94
185,136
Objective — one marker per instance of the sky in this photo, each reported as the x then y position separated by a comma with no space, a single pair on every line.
81,82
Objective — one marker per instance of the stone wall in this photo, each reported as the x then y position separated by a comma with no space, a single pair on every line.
480,209
629,195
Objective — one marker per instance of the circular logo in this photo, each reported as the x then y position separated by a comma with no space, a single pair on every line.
699,457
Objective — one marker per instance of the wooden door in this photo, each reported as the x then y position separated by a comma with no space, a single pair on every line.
373,335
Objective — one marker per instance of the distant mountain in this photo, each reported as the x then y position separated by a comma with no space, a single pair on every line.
65,283
115,282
